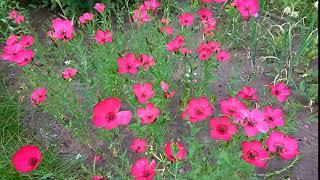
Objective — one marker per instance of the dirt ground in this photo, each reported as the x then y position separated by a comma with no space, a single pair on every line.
51,132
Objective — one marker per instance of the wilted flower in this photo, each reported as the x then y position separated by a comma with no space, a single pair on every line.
175,151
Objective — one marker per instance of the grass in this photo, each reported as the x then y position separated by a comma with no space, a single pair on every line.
14,135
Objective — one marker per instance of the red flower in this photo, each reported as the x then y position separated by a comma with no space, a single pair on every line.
175,44
85,18
38,96
143,91
222,129
27,158
106,114
103,37
280,91
175,151
253,153
186,19
149,114
222,56
204,13
147,61
253,122
128,64
99,7
138,145
204,51
248,92
142,170
274,117
232,107
69,73
286,146
198,109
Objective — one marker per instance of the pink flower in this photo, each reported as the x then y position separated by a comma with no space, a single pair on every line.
280,91
253,153
13,14
27,158
204,14
97,158
198,109
13,39
232,107
149,114
186,51
274,117
222,56
152,4
186,19
253,122
166,30
173,155
103,37
285,146
220,1
62,29
99,7
128,64
26,41
248,93
38,96
24,57
11,52
141,15
106,114
175,44
164,86
222,129
99,178
206,1
147,61
85,18
247,8
138,145
164,21
142,170
209,25
143,91
68,73
19,19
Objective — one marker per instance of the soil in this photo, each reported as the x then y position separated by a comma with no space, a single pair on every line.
53,133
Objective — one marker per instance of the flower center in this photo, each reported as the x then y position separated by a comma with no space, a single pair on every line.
222,129
143,95
231,111
149,117
199,111
251,123
252,155
33,161
279,148
277,92
111,116
129,67
270,119
146,174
